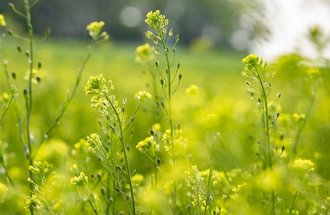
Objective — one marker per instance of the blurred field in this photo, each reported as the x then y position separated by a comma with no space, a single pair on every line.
216,73
221,105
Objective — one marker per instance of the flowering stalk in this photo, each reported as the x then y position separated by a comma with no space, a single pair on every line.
161,37
28,97
253,66
113,114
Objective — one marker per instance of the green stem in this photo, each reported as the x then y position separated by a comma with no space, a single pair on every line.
266,127
169,103
29,96
266,117
121,136
68,100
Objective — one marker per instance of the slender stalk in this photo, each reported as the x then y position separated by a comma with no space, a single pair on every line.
267,131
29,96
121,137
169,104
68,100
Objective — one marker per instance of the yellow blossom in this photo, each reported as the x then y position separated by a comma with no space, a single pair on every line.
2,21
80,180
144,53
94,29
250,60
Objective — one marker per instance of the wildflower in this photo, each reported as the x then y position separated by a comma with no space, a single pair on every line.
95,84
80,180
144,53
3,191
251,60
94,140
148,143
40,168
2,21
94,29
142,95
156,20
192,90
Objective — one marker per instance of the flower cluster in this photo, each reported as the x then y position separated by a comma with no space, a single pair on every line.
79,181
147,145
95,31
159,24
251,60
144,53
96,84
2,21
156,20
94,140
40,168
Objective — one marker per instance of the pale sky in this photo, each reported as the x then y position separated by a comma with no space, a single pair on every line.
289,21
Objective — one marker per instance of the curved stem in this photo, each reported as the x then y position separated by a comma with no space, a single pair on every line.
67,102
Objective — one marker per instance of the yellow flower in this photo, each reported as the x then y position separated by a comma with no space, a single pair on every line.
94,29
251,59
2,21
144,53
155,19
148,143
80,180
